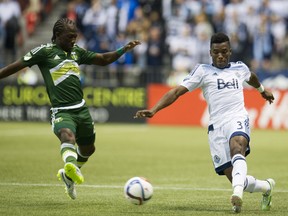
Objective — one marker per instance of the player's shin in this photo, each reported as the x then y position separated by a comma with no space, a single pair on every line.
68,153
254,185
239,173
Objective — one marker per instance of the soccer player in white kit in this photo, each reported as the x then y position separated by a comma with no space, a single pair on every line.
228,131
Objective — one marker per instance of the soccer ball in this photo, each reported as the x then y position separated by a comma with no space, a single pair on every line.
138,190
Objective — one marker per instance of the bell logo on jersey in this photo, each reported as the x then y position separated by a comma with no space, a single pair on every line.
233,84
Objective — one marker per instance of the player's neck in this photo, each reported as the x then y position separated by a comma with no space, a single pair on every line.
227,66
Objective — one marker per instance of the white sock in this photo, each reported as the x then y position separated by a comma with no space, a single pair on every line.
239,173
255,185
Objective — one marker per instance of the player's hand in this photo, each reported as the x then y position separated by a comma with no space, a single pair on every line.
144,114
131,45
267,95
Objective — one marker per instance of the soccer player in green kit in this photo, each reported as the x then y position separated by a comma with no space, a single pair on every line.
71,121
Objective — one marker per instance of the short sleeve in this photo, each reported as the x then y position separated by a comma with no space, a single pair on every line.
34,57
246,71
86,57
194,79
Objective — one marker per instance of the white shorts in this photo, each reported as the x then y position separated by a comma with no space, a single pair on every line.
219,139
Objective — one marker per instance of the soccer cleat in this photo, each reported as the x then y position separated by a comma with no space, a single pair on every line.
69,184
74,173
267,197
236,202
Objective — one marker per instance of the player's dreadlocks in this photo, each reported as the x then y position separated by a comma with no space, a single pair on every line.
60,26
219,38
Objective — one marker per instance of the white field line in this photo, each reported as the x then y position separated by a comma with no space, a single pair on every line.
120,187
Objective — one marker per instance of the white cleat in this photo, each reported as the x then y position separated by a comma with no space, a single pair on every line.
236,202
69,184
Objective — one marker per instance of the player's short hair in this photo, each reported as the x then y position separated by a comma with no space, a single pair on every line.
219,38
60,26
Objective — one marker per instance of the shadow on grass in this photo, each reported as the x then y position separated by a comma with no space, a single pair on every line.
199,209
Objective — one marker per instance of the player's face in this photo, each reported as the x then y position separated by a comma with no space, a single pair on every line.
220,53
67,38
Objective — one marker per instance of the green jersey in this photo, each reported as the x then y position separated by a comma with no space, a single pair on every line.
60,71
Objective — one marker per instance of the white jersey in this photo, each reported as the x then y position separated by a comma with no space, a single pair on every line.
222,89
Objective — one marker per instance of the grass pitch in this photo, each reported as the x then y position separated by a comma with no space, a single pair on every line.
175,159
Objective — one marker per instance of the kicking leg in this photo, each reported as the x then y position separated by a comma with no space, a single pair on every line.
85,149
83,154
265,186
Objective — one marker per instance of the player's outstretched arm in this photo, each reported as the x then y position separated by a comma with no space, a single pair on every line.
167,99
109,57
11,69
266,94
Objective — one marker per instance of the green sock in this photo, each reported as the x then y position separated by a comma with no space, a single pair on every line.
68,153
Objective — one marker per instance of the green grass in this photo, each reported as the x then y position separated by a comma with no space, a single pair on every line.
175,159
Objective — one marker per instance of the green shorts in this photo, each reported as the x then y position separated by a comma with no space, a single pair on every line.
78,120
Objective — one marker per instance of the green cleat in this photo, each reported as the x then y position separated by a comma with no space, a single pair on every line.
267,197
74,173
236,202
69,184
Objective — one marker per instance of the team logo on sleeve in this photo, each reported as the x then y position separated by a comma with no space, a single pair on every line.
28,56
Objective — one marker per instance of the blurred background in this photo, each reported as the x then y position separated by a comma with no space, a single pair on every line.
175,36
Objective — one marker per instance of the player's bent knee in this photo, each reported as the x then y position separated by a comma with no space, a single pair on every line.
237,149
86,151
66,135
238,145
91,150
86,141
86,145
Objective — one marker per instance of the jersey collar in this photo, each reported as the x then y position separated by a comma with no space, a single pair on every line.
228,66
